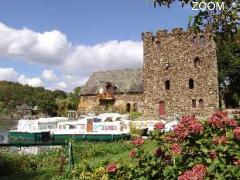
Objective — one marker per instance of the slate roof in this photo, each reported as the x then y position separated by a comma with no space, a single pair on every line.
126,81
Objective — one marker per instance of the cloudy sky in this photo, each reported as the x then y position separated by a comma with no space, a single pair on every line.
57,44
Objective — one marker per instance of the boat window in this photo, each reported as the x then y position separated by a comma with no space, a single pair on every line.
109,119
96,120
72,126
118,119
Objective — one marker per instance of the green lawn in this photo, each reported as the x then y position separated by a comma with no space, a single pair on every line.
93,154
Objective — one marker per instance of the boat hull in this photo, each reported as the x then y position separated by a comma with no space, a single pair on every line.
14,136
90,137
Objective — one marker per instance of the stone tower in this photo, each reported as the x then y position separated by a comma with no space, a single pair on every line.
180,73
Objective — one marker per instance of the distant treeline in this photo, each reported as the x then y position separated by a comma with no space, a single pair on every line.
48,102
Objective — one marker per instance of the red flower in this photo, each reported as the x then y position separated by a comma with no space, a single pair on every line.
138,141
111,168
219,140
198,172
176,149
236,133
132,153
212,154
180,132
232,122
159,126
218,120
195,128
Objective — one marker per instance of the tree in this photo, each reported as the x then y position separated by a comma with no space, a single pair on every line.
220,16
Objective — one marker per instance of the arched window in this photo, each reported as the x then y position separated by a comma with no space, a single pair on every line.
194,41
201,103
191,84
194,103
197,62
158,44
128,107
202,41
167,85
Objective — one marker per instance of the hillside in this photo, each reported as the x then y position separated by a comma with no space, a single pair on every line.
13,94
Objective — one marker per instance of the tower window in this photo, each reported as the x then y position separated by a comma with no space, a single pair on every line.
158,44
191,84
128,107
201,103
194,41
202,41
194,103
167,85
197,62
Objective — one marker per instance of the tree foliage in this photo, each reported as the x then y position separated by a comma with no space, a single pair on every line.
221,21
49,102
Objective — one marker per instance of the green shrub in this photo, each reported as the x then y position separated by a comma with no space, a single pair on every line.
196,150
135,115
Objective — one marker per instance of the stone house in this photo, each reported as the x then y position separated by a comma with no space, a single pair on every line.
116,90
179,76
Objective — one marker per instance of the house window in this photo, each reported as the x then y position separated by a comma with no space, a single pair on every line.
202,41
194,103
191,84
128,107
201,103
197,62
158,44
167,85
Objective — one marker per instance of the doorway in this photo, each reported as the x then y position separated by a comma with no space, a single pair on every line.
162,111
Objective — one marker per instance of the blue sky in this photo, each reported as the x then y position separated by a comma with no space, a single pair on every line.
59,43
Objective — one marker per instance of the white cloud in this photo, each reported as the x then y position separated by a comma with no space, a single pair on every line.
105,56
74,63
60,85
49,75
49,47
35,82
8,74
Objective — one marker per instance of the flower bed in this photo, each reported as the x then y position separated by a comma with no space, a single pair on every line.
193,150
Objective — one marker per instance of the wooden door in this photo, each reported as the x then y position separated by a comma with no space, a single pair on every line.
162,111
90,125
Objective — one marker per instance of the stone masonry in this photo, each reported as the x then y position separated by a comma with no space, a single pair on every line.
179,76
180,73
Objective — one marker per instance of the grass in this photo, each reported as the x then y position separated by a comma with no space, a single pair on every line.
94,154
37,175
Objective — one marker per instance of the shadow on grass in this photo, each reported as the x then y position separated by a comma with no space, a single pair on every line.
37,175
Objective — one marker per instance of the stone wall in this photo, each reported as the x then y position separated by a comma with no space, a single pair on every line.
92,104
171,57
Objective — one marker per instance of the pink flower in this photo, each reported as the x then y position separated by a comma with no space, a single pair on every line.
138,141
198,172
236,133
132,153
176,149
212,154
180,131
237,162
218,120
219,140
111,168
159,126
232,122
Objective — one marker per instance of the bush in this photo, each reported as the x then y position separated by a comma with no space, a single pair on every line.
135,115
193,150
